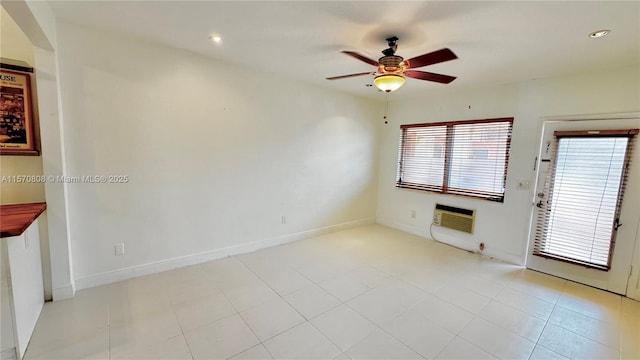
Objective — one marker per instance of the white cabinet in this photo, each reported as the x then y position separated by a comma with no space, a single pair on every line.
22,274
7,341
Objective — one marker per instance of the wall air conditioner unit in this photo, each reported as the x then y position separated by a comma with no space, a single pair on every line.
454,218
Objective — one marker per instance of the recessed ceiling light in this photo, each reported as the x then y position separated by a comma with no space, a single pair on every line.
216,38
599,33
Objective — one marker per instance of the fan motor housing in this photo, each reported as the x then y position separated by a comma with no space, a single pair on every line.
391,60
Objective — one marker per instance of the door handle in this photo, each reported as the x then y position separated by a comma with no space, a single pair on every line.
617,225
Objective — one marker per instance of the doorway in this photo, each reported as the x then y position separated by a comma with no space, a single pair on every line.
587,204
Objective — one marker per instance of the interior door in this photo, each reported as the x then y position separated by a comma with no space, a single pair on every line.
563,223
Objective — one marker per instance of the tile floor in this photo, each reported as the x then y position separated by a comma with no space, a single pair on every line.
364,293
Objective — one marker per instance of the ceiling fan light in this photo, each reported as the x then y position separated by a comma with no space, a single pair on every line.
388,83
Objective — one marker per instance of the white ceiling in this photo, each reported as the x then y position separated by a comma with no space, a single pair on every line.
497,42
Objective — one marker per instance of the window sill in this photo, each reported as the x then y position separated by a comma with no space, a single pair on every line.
436,190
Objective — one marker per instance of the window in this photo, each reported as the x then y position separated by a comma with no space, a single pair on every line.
461,157
584,189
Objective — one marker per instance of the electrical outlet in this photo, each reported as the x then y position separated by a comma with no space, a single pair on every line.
118,249
413,214
284,219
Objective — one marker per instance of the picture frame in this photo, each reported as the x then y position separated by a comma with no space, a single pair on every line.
17,123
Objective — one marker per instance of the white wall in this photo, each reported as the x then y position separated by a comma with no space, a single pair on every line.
503,227
37,21
14,44
191,198
216,154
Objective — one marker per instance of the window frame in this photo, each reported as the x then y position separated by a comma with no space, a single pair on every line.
447,153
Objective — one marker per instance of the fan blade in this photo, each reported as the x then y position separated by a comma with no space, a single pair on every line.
350,75
361,58
423,75
431,58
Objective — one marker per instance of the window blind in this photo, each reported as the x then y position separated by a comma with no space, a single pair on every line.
422,157
464,157
583,194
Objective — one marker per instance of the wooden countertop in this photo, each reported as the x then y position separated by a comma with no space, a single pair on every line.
16,218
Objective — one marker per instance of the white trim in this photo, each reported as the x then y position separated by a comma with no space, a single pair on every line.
197,258
9,354
633,281
582,117
65,292
404,227
504,256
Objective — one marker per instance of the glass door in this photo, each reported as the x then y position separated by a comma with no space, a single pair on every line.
587,203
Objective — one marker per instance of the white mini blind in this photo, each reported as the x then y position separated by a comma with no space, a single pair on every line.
422,157
463,157
583,193
479,154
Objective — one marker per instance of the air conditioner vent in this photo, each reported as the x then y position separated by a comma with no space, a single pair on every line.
454,218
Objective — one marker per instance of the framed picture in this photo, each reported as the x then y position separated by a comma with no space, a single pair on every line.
16,115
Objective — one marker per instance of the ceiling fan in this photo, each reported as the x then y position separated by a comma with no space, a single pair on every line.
392,69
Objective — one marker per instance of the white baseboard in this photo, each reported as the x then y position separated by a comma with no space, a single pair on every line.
65,292
181,261
404,227
504,256
497,254
8,354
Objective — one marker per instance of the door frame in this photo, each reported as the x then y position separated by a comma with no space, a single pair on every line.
633,280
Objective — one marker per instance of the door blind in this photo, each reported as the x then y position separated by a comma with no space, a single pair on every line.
584,187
